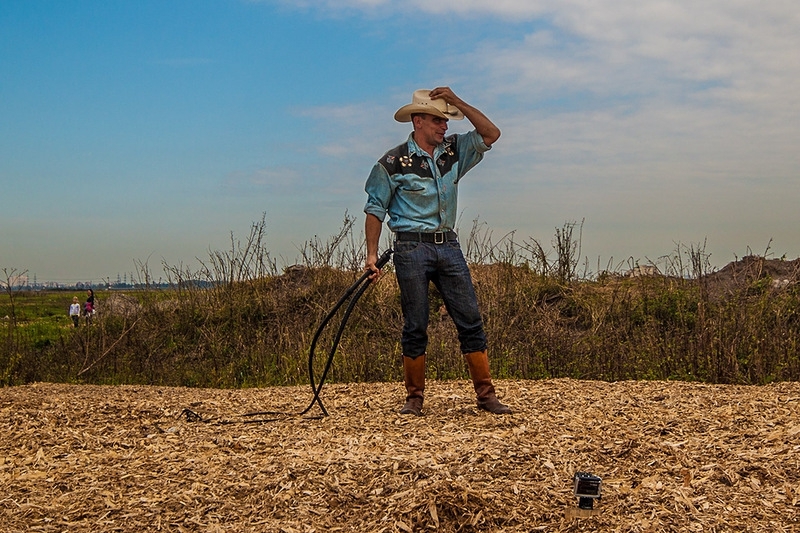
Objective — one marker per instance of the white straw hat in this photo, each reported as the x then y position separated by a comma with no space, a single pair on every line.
421,102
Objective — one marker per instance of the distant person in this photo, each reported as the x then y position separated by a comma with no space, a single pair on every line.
416,184
75,311
89,306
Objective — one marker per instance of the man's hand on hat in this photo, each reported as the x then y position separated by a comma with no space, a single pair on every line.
483,125
446,94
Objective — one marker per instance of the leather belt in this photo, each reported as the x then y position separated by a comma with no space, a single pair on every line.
438,237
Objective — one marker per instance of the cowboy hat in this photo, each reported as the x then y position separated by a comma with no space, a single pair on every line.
421,102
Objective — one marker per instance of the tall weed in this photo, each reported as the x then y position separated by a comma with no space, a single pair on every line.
238,322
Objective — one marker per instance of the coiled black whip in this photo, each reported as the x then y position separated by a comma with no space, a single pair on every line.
353,293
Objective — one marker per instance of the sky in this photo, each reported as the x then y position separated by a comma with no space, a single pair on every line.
150,132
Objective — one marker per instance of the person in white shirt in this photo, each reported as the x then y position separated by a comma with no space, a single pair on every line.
75,311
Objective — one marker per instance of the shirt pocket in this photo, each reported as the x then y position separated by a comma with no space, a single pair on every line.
411,183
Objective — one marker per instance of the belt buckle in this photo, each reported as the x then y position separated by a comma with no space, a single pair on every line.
438,237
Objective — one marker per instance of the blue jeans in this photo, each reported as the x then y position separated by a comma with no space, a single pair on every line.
416,265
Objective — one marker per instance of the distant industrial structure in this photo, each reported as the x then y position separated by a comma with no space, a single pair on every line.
23,282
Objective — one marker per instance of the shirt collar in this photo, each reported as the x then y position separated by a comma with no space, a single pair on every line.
413,147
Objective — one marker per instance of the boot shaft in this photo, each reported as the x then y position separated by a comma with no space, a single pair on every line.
414,373
478,363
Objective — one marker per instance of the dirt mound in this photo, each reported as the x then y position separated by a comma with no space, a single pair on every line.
750,269
672,456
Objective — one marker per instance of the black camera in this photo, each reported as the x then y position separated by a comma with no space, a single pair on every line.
587,489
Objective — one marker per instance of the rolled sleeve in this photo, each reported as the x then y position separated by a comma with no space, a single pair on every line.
379,192
470,151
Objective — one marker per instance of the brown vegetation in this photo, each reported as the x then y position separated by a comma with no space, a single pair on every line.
239,323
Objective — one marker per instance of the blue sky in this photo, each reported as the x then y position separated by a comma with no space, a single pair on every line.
148,131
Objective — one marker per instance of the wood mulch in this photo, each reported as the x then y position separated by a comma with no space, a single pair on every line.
672,456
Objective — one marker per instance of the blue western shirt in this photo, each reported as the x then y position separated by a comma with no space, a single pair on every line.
419,193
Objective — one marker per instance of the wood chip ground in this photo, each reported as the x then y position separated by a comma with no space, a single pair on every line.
672,457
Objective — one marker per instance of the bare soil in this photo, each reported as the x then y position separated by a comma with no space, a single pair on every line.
672,456
750,269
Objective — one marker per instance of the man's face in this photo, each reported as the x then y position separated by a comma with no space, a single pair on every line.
429,129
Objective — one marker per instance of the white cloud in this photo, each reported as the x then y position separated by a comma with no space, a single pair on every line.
651,80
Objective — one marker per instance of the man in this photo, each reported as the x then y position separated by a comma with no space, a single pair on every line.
416,185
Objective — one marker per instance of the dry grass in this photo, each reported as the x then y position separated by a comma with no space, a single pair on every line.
673,457
236,323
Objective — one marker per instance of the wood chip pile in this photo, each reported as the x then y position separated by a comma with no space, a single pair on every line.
672,457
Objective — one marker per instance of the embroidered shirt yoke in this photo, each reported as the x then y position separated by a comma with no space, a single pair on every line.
419,193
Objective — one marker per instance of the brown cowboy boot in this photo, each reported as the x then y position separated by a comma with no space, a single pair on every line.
478,363
414,370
